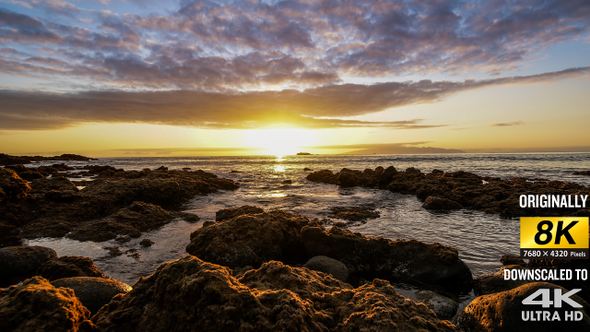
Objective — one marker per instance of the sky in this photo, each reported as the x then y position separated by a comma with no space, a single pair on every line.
150,77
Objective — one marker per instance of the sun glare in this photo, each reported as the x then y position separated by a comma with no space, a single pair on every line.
281,142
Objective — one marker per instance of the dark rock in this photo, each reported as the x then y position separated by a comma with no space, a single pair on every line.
146,243
581,173
69,266
386,177
444,307
225,214
93,292
512,260
114,251
503,312
59,184
123,238
11,185
250,239
189,217
129,221
13,160
410,261
328,265
439,203
494,282
324,176
36,305
287,182
19,260
25,173
354,213
307,169
189,292
9,235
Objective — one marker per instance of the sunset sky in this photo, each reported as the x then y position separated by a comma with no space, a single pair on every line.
150,77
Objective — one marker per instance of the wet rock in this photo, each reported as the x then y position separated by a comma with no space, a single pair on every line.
11,185
234,212
146,243
440,203
444,307
504,312
25,173
19,260
307,169
91,291
328,265
190,292
287,182
13,160
9,235
123,238
59,184
188,217
512,260
581,173
36,305
251,239
69,266
129,221
325,176
410,261
494,282
354,213
114,251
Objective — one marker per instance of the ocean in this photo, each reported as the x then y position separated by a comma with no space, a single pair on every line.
480,238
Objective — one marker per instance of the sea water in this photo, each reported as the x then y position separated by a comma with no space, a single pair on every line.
480,238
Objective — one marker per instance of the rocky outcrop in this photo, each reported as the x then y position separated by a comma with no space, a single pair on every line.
69,266
410,261
328,265
253,239
20,260
190,292
581,173
455,190
504,312
36,305
15,160
444,307
354,213
91,291
55,206
225,214
130,221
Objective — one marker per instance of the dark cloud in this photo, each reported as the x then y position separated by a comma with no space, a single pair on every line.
321,107
508,124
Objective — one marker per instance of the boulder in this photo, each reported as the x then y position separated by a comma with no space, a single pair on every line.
36,305
354,213
251,239
325,176
440,203
494,282
189,293
444,307
20,260
325,264
91,291
410,261
235,212
505,311
69,266
11,185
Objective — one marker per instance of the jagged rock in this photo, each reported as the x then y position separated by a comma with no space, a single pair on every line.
512,260
19,260
91,291
11,185
9,235
146,243
189,293
251,239
444,307
328,265
129,221
13,160
410,261
354,213
581,173
325,176
504,312
234,212
60,184
494,282
36,305
25,173
69,266
440,203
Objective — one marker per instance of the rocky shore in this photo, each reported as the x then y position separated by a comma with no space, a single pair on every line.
256,270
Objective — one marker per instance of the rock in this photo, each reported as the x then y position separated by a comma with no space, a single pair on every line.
410,261
13,160
188,217
442,306
494,282
19,260
59,184
354,213
232,213
36,305
129,221
189,292
25,173
307,169
123,238
512,260
440,203
146,243
328,265
11,185
504,312
69,266
251,239
581,173
9,235
287,182
325,176
114,251
386,177
91,291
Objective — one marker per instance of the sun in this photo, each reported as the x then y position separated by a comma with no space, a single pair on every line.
280,141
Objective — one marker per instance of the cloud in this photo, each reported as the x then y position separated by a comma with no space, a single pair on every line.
508,124
391,148
329,106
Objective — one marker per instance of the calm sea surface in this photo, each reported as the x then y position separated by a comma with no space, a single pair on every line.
480,238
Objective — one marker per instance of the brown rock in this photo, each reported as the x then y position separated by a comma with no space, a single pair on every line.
19,260
235,212
440,203
35,305
11,185
91,291
354,213
69,266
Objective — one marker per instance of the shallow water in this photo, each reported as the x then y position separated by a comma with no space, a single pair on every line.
480,238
